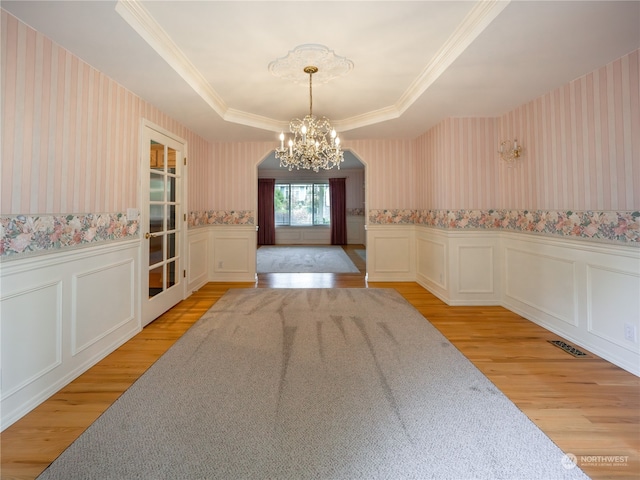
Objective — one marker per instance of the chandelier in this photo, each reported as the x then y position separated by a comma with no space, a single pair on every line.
315,143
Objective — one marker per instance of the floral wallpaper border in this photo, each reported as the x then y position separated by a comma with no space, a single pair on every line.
221,217
618,227
355,212
22,235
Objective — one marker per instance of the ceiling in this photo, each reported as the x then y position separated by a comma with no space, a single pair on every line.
205,63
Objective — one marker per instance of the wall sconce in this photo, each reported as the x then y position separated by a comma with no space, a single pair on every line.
510,152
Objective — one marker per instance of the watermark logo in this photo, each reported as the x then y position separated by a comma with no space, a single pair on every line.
570,461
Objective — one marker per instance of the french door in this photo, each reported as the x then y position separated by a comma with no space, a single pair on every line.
162,224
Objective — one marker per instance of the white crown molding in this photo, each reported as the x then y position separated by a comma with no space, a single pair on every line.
474,23
257,121
145,25
480,16
368,118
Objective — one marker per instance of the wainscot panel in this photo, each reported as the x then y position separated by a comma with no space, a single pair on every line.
355,230
613,307
432,262
585,292
475,268
197,258
542,281
303,236
459,267
233,251
391,253
95,315
60,314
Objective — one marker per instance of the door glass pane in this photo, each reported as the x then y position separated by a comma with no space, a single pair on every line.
155,281
156,217
171,220
171,187
171,246
156,254
156,187
164,193
171,164
171,274
157,156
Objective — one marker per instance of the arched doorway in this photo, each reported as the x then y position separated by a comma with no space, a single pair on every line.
353,170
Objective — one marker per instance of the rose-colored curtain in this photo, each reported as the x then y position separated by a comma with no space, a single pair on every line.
338,194
266,212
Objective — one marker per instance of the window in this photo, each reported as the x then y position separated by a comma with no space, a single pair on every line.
302,204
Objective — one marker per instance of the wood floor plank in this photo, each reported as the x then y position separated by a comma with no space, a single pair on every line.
587,406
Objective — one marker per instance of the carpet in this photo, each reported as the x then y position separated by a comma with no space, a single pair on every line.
304,259
312,384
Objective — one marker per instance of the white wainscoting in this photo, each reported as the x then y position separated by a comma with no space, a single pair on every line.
585,292
544,282
391,253
60,314
460,268
432,254
197,258
226,253
355,230
303,235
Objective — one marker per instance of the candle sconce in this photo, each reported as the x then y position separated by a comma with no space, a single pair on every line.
510,152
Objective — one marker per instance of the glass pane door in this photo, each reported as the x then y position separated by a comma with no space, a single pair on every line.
163,224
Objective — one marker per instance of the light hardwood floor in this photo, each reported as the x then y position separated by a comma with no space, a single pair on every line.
587,406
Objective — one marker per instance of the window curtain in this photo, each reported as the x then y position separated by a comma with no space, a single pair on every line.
266,212
338,194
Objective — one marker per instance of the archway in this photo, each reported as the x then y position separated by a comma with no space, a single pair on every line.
353,169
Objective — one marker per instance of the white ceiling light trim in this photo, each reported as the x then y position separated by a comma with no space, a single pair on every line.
480,16
291,66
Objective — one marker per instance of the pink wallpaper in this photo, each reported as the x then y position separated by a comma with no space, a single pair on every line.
458,167
70,139
231,178
391,167
581,150
70,135
582,144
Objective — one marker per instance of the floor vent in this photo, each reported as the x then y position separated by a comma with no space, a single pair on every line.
568,348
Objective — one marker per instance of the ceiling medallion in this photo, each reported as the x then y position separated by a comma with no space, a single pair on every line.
330,66
315,143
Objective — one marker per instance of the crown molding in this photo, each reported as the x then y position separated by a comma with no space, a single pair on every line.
474,23
480,16
257,121
145,25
